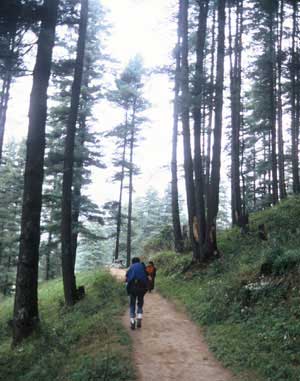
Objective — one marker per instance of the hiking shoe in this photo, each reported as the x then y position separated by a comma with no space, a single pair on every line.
132,323
139,323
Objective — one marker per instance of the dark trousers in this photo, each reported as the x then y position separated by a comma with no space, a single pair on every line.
136,300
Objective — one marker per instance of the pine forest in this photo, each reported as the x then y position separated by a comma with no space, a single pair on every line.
165,132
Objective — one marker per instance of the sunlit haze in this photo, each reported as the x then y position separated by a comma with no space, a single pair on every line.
144,27
137,27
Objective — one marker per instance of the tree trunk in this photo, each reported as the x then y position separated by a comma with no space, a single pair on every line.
185,116
81,139
295,138
26,315
69,280
76,196
243,177
211,104
203,132
119,216
282,187
48,254
297,115
273,112
270,194
213,197
178,240
266,160
254,177
129,220
235,90
7,283
197,115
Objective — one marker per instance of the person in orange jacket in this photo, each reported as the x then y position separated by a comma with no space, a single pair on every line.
151,272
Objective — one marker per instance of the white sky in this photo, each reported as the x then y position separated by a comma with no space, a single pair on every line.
143,27
138,27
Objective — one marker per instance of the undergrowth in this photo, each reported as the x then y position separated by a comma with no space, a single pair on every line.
86,342
249,300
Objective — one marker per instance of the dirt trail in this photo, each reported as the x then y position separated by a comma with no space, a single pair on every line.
169,346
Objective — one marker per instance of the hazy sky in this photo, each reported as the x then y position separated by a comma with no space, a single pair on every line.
142,27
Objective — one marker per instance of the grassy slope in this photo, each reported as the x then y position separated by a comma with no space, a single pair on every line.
86,342
251,321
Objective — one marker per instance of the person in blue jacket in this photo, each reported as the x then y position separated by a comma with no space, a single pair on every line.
137,285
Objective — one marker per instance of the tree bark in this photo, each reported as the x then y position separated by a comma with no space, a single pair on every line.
178,239
197,115
119,215
270,194
254,177
76,195
273,112
211,103
26,315
295,137
129,218
235,90
48,254
79,167
70,291
213,197
282,187
185,117
7,283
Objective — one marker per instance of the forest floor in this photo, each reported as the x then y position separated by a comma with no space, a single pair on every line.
169,346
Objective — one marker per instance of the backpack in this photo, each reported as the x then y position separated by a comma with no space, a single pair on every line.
137,287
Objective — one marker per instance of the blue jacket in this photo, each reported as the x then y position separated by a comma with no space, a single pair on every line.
137,271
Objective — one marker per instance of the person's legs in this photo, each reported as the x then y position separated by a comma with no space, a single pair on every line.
140,303
153,283
132,305
132,310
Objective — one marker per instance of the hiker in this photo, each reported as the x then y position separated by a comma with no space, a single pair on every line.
151,271
137,281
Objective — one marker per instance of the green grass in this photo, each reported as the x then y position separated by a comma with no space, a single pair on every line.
85,342
248,301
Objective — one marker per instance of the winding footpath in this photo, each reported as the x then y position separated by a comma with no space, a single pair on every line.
169,346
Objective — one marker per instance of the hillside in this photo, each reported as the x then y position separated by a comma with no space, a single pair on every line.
249,300
85,342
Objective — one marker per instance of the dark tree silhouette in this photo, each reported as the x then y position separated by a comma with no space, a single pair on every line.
26,315
68,259
178,240
213,196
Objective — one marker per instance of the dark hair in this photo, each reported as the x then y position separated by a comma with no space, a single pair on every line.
135,260
151,263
